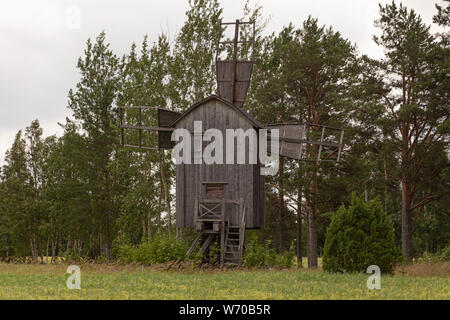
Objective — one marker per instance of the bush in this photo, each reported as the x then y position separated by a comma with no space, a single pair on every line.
214,253
257,255
445,253
161,249
74,257
359,236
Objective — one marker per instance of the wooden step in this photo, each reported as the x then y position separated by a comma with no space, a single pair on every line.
232,258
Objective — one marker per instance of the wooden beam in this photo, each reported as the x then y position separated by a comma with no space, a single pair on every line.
166,129
194,244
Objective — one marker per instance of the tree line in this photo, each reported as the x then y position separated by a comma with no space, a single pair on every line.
84,193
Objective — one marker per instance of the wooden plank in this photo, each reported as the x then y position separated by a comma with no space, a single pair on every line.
244,71
206,244
165,118
194,244
148,128
196,210
233,80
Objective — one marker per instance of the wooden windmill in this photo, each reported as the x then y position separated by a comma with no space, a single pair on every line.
221,201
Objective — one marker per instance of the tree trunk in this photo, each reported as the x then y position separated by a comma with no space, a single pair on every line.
46,250
312,227
299,229
68,244
149,212
54,242
149,225
282,229
166,196
366,192
107,235
158,217
312,239
41,250
7,246
406,221
385,185
33,247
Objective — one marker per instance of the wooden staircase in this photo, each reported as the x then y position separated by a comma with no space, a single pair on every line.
212,212
234,242
233,251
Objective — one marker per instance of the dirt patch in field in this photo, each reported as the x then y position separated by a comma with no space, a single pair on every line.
426,269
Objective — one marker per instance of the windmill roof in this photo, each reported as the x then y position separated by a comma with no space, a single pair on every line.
255,122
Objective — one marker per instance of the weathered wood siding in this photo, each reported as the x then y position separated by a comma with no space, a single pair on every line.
244,180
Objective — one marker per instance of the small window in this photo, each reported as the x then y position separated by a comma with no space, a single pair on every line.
214,192
214,189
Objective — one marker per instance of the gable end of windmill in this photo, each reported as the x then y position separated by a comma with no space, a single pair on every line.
255,123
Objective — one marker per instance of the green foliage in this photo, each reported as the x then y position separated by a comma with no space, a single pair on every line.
75,257
160,249
214,252
192,67
442,255
445,253
359,236
257,255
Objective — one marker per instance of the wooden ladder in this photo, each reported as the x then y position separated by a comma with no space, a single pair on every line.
234,241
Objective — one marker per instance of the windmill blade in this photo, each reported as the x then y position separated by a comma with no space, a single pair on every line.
234,73
233,80
146,128
309,142
165,118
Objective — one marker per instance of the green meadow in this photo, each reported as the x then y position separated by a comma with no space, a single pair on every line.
136,282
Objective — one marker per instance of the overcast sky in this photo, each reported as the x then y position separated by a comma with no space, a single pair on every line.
41,40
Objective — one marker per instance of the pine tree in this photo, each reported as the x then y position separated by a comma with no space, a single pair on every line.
307,76
412,87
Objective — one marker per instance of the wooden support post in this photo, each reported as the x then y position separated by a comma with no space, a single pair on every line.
241,230
194,244
206,244
233,80
195,212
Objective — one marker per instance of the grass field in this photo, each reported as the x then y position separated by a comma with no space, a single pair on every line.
134,282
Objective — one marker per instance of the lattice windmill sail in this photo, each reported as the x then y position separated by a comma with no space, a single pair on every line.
297,141
139,121
221,201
